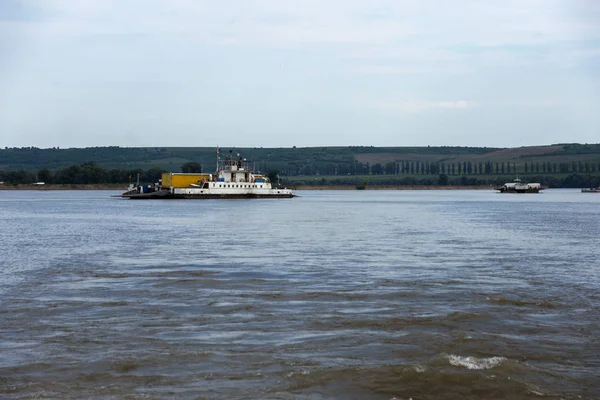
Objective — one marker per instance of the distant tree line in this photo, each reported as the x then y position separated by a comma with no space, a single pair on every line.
86,173
310,161
573,174
430,168
569,181
297,160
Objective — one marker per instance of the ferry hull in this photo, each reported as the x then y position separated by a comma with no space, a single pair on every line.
167,195
531,190
135,195
236,196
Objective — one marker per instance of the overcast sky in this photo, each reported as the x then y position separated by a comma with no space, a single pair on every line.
77,73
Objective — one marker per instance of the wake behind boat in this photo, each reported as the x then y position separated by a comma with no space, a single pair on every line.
233,179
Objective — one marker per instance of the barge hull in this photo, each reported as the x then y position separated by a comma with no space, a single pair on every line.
170,196
236,196
518,190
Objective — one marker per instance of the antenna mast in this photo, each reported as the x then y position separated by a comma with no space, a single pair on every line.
217,170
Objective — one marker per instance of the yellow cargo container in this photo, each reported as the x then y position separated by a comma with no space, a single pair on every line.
181,180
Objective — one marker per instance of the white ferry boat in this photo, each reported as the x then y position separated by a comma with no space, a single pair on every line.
233,180
519,187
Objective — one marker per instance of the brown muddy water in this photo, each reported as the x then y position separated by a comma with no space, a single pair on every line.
331,295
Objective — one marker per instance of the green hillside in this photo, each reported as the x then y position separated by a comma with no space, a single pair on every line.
344,165
294,161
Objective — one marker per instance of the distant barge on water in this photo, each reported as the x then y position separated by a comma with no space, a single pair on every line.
232,180
591,190
519,187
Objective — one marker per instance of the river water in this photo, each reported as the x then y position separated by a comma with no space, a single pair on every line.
331,295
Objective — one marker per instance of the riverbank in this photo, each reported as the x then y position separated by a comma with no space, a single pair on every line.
305,187
64,187
393,187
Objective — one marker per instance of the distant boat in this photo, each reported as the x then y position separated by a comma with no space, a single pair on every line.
591,190
517,186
